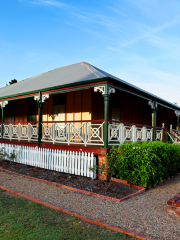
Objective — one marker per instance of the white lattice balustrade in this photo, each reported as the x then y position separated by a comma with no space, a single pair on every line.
118,133
86,133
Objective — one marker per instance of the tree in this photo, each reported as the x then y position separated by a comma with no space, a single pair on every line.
13,81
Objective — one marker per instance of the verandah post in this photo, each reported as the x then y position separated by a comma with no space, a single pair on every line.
106,90
2,122
106,111
153,105
177,119
40,108
177,123
163,135
155,120
2,105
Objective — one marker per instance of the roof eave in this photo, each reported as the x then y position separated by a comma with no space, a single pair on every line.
144,93
70,85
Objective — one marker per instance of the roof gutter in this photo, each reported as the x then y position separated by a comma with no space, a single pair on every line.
136,91
89,83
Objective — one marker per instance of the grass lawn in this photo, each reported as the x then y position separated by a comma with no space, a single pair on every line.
22,219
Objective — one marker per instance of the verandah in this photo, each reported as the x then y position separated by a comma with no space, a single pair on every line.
101,132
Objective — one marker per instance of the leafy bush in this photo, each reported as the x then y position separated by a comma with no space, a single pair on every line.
144,163
11,157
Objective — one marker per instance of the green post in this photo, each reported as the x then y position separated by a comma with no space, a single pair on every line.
2,123
163,135
177,123
106,108
166,137
40,106
154,119
170,132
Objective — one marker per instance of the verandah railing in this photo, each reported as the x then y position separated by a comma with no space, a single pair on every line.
76,132
86,133
173,135
122,132
21,131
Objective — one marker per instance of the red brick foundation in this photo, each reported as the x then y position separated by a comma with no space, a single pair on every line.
103,175
173,206
102,160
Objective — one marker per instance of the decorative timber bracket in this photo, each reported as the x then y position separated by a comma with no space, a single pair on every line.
153,104
40,99
106,90
3,104
102,89
44,97
177,113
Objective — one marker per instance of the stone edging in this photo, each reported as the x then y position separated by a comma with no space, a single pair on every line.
78,190
89,220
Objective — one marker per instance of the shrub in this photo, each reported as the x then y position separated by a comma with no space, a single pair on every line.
144,163
11,157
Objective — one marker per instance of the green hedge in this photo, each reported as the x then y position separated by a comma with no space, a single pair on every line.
144,163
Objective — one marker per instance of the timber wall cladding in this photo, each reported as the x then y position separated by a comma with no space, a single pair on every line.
78,105
21,110
89,105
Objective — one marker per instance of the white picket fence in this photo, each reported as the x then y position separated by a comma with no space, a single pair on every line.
77,163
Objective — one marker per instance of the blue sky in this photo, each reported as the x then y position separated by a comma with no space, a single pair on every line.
135,40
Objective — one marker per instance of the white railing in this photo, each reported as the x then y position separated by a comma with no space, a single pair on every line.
177,136
57,160
118,134
77,133
86,133
21,131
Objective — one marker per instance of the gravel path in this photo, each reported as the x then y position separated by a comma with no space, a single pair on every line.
144,214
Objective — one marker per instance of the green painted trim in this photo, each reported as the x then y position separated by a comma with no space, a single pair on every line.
40,106
137,95
106,108
124,90
55,87
166,106
146,95
21,98
166,137
2,123
154,120
177,122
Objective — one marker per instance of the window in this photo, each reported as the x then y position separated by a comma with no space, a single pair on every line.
116,109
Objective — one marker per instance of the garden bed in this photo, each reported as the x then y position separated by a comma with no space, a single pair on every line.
116,190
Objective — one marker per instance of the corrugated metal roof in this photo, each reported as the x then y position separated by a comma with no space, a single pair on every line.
60,76
74,73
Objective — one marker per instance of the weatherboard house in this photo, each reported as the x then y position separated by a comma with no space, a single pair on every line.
81,108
